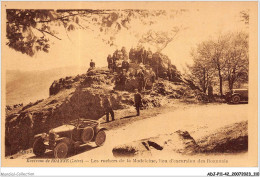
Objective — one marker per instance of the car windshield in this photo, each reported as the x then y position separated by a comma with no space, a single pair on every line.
78,122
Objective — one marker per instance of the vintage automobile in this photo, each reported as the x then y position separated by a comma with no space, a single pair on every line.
236,96
69,137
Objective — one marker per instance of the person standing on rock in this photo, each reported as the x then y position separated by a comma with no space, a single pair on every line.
110,62
138,101
108,108
153,77
92,64
140,77
123,78
125,65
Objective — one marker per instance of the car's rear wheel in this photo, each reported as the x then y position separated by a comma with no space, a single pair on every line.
100,138
236,99
61,150
39,147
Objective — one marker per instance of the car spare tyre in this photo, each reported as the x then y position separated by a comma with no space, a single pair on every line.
235,99
87,134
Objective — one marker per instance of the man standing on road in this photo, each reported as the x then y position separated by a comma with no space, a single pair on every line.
138,101
108,108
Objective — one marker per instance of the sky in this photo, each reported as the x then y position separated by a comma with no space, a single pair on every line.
81,46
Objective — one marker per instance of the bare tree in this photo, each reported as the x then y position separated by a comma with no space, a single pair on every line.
160,39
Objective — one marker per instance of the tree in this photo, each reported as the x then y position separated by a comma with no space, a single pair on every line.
225,58
23,27
30,31
202,71
237,59
218,49
160,39
245,16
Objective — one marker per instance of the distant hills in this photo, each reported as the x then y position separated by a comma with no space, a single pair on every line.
29,86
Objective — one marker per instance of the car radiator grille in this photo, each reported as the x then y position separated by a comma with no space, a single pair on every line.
51,139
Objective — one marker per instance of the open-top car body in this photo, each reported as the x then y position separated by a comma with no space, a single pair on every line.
69,137
236,96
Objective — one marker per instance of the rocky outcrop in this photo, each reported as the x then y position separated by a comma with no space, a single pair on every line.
94,76
179,142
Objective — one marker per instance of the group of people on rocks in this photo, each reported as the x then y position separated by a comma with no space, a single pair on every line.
141,76
119,64
155,61
118,61
140,55
140,65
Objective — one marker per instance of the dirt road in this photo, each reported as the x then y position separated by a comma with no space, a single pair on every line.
198,120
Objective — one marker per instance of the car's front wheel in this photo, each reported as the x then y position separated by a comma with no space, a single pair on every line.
100,138
39,147
236,99
61,150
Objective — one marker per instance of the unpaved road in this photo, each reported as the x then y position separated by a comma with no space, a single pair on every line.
198,120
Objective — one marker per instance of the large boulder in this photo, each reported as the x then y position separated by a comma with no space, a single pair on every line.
179,142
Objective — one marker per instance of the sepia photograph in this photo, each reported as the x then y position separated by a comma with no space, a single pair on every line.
129,84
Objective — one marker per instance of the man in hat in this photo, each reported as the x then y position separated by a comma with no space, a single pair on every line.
108,108
138,101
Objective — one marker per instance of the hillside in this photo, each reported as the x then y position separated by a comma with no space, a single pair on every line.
76,97
29,86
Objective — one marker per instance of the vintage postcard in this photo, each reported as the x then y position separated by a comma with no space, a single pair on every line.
129,84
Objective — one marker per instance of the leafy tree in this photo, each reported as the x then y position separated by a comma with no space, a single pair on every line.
225,58
24,26
237,59
218,49
245,16
202,72
30,31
